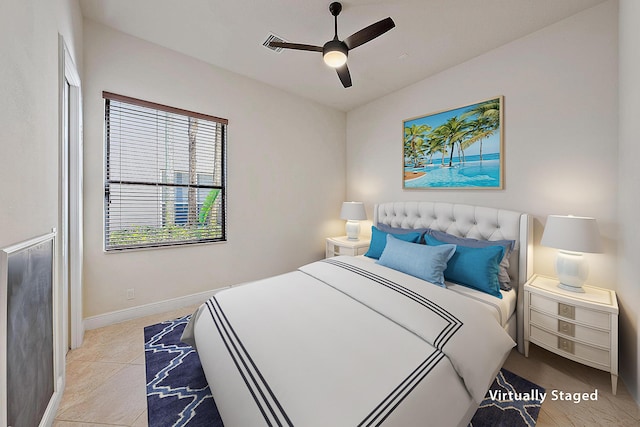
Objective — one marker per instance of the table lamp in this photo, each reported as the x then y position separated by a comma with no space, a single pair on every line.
573,235
353,212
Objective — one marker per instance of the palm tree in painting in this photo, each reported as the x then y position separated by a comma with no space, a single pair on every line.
485,123
452,132
437,144
415,142
480,129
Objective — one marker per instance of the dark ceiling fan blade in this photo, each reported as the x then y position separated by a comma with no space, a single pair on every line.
369,33
296,46
345,76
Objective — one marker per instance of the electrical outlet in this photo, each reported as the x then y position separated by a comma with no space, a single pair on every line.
131,293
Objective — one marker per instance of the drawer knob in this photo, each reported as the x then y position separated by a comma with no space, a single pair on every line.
566,328
565,345
566,310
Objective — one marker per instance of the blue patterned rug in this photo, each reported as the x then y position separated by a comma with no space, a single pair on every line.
178,393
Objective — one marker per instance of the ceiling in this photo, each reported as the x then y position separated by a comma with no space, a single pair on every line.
430,36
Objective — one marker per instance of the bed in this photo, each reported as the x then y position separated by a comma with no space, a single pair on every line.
347,341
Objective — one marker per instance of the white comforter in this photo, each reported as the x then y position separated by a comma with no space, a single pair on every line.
344,342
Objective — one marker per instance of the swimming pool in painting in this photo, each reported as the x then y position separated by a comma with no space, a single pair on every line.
471,173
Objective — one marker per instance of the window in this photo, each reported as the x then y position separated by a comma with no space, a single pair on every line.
164,175
180,201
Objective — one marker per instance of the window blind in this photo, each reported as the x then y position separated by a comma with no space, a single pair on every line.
164,175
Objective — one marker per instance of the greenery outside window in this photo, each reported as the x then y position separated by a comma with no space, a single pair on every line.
179,200
164,175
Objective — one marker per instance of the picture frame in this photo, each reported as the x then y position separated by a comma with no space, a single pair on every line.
458,148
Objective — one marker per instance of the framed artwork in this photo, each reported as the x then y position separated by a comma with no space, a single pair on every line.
460,148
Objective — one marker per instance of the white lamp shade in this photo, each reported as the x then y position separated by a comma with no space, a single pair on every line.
572,233
353,211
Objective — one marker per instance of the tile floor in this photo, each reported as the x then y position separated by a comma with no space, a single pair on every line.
105,383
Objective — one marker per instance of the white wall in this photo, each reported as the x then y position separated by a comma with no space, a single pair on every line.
29,126
561,142
70,24
560,100
286,174
28,119
29,112
629,202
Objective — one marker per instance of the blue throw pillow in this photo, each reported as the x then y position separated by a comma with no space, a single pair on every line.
395,230
508,245
475,268
379,241
424,262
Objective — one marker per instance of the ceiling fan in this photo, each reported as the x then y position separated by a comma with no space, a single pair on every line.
335,51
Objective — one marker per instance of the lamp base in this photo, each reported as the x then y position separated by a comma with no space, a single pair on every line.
353,229
571,288
572,270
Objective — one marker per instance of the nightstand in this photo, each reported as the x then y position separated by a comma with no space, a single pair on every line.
342,246
579,326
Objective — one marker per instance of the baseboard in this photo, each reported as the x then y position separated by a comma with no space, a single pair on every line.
54,403
119,316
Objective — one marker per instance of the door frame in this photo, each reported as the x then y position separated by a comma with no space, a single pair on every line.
71,200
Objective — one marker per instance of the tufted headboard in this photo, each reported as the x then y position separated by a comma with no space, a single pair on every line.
475,222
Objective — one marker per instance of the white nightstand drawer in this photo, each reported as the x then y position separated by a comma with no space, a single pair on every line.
598,319
582,326
581,333
579,350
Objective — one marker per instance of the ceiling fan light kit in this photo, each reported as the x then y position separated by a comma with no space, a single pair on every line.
336,51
